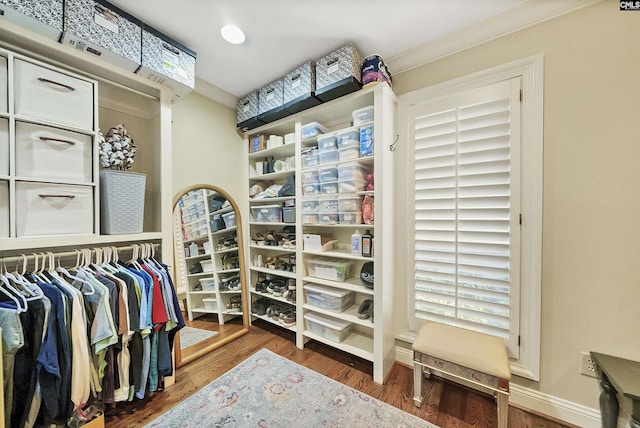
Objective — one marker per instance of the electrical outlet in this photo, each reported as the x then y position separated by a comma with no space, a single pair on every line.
587,366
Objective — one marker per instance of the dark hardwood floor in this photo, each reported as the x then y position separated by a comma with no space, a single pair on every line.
446,404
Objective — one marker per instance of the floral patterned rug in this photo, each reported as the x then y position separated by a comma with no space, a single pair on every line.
267,390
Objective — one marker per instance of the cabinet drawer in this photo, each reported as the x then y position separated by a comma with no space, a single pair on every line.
46,94
53,209
50,153
4,147
4,209
4,84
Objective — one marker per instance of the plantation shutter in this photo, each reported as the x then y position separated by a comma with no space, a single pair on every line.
467,228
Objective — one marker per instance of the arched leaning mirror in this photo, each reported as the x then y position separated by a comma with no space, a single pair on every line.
209,270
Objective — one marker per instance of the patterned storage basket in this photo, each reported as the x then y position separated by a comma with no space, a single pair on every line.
121,202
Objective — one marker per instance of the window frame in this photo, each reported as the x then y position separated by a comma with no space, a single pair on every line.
530,70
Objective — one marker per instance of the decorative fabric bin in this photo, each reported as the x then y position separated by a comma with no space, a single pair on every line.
247,113
338,73
41,16
270,102
99,28
121,202
166,61
299,88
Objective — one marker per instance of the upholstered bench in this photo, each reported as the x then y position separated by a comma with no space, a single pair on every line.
474,359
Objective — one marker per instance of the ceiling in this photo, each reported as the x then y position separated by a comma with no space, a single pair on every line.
282,34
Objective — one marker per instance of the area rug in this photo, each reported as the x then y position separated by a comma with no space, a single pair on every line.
267,390
189,336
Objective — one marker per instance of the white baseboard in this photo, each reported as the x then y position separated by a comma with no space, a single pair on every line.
546,404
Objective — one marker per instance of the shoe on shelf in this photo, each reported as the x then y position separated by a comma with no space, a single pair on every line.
288,318
365,310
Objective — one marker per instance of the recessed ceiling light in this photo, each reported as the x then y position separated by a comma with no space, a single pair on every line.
232,34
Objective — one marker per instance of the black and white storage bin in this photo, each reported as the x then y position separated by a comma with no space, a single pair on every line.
41,16
338,73
270,102
167,62
300,87
99,28
247,112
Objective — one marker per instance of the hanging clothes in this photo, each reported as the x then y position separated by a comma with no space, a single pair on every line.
101,332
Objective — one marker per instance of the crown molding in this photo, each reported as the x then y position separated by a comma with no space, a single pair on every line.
517,18
214,93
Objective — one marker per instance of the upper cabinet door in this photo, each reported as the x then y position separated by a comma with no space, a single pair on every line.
51,96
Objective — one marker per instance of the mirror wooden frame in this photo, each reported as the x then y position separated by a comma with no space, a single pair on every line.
204,349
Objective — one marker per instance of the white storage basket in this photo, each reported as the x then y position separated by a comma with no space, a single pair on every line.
122,202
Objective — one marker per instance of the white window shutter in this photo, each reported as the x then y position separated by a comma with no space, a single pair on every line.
467,209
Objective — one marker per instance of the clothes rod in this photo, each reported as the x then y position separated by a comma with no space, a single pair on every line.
65,254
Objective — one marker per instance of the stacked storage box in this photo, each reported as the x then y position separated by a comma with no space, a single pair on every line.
299,88
270,102
41,16
166,61
247,112
99,28
338,73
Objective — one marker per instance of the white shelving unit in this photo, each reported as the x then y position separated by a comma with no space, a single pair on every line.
194,218
369,340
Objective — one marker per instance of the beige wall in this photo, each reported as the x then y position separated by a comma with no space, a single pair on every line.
206,147
591,215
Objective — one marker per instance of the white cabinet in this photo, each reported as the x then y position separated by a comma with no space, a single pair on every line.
207,250
330,187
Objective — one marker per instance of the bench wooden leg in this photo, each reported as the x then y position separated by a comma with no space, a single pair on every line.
503,409
417,384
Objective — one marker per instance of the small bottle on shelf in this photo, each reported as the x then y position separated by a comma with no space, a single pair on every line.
193,249
356,243
367,244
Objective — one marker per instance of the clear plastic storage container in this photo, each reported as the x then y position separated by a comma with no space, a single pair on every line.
229,219
266,214
354,217
312,129
310,189
328,298
328,204
208,284
346,186
327,327
348,136
362,115
349,152
333,270
328,173
310,218
310,158
329,188
210,304
349,203
329,218
310,176
328,156
352,171
310,205
327,142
